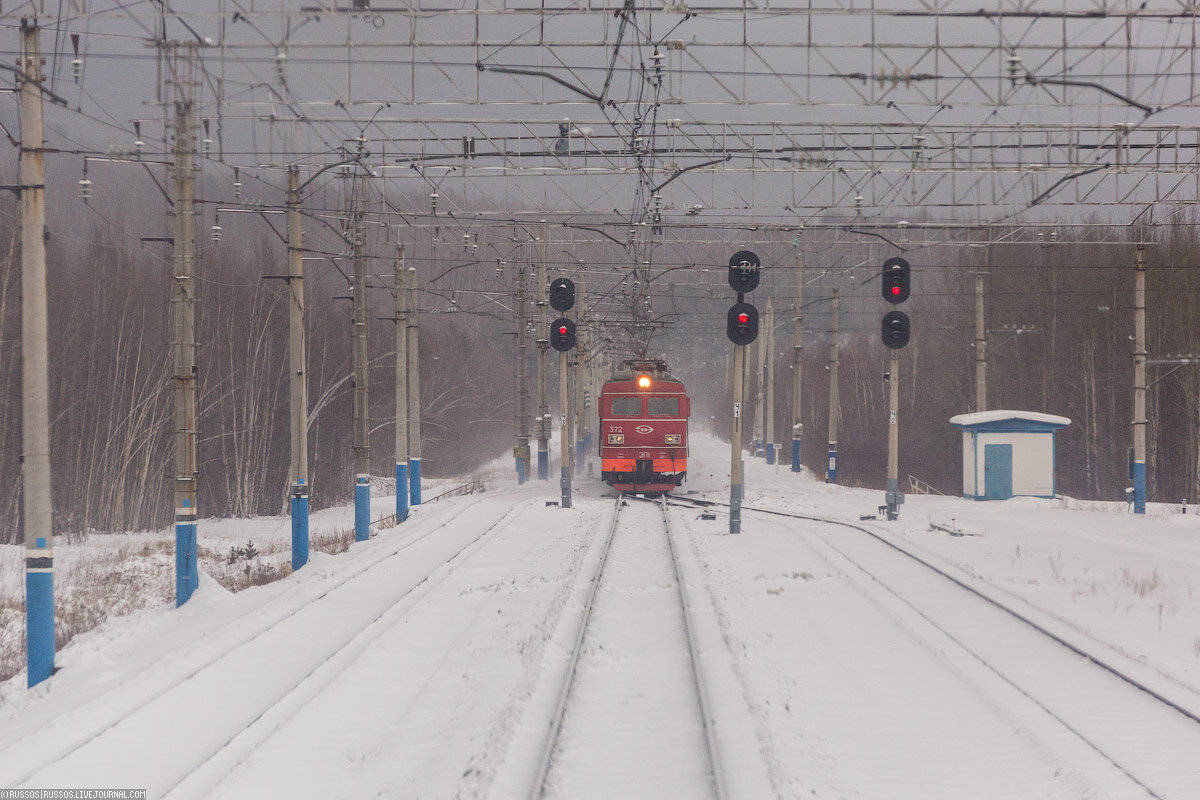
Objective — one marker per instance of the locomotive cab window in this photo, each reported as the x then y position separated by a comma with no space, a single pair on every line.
626,406
664,406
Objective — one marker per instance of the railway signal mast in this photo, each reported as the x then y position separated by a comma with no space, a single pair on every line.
741,326
562,339
897,286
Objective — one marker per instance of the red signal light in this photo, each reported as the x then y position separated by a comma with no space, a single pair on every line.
562,330
895,290
743,318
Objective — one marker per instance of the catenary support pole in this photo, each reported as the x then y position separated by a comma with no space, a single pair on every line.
736,480
892,497
831,471
362,409
769,384
298,374
582,377
1139,383
522,450
980,348
401,389
414,393
38,516
183,334
797,352
543,347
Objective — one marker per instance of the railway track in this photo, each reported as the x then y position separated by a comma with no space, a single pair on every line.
616,691
212,670
1090,694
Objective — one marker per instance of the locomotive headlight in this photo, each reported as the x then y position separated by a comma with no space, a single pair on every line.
674,438
616,438
643,382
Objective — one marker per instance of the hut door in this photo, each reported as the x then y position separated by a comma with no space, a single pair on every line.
997,471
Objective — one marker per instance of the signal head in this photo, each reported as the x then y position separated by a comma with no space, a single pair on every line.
896,329
562,334
562,294
897,281
741,325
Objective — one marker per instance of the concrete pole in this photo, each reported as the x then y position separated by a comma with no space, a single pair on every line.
892,497
736,479
582,377
831,471
298,375
769,384
1139,383
980,349
522,450
38,516
414,393
362,410
401,389
183,303
564,433
543,347
797,352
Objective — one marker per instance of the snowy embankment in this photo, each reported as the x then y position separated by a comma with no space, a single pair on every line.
409,665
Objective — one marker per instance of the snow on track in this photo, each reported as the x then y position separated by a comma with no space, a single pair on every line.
633,726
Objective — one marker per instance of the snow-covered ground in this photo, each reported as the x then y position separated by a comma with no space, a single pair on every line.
415,664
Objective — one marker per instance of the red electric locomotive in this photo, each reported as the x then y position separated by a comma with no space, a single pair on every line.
643,429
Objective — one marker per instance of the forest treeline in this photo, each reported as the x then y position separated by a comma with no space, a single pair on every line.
110,376
1075,304
111,412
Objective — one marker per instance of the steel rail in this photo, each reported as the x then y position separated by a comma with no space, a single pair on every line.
1115,671
560,705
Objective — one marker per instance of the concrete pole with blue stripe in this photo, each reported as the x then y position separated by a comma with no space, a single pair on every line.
38,516
1139,383
414,396
797,352
401,390
298,363
362,414
183,333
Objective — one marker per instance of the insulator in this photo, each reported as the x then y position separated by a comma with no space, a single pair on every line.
237,189
207,145
138,147
85,190
77,68
281,65
433,202
216,233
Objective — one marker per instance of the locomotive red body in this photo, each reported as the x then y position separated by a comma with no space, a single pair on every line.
643,429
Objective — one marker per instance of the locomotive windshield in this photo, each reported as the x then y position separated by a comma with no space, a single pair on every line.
627,406
664,406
